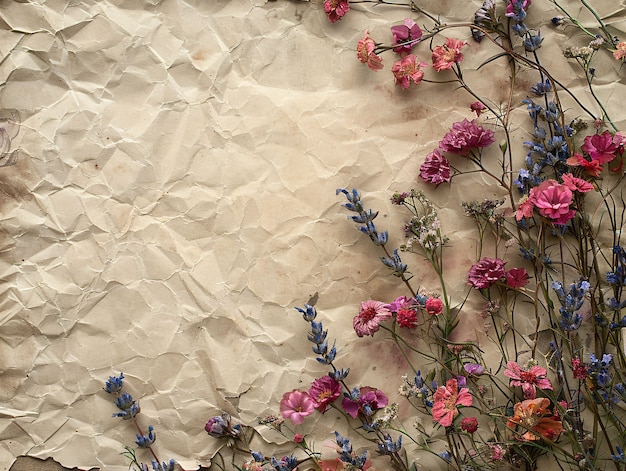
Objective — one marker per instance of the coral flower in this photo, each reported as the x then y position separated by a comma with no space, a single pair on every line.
336,9
365,52
486,272
324,391
620,53
435,169
444,57
296,405
528,378
525,208
447,400
408,33
532,420
553,200
600,147
370,315
592,167
465,136
407,69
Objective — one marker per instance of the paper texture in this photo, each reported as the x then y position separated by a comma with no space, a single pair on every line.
174,198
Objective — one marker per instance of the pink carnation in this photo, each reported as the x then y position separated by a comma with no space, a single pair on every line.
296,405
553,200
486,272
435,169
576,184
370,315
407,69
445,56
434,306
465,136
336,9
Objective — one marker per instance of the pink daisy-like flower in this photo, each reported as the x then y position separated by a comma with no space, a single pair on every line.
408,33
324,391
553,200
465,136
407,69
576,184
486,272
516,277
528,378
336,9
447,400
370,315
434,306
406,318
600,147
296,405
365,52
435,169
445,56
620,53
592,167
370,400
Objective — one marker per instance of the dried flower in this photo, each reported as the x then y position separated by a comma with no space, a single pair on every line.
486,272
477,107
553,200
528,378
516,277
405,36
448,399
435,169
336,9
407,69
364,401
296,405
620,53
532,420
324,391
465,136
469,424
445,56
371,314
434,306
365,52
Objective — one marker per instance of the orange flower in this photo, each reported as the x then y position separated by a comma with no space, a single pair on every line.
533,421
620,53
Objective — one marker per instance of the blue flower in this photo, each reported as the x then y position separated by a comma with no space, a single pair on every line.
114,384
388,447
146,441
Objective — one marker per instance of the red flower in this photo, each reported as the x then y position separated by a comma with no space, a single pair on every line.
324,391
528,378
435,169
447,400
579,368
336,9
447,55
406,318
407,69
434,306
486,272
592,167
516,277
469,424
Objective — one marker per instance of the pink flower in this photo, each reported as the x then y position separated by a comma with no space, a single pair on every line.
525,208
477,107
365,52
324,391
465,136
407,69
336,9
406,318
409,31
474,369
298,438
516,277
600,147
434,306
435,169
576,184
469,424
579,369
553,200
296,405
401,302
528,378
592,167
447,400
447,55
369,400
370,315
620,53
509,8
486,272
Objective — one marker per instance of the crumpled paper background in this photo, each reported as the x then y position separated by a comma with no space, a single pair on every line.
174,199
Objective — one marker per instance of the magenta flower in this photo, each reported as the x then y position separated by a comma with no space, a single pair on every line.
445,56
409,31
474,369
336,9
324,391
469,424
447,400
486,272
368,402
528,378
516,277
600,147
407,69
370,315
553,200
365,52
401,302
576,184
296,405
509,8
435,169
477,107
465,136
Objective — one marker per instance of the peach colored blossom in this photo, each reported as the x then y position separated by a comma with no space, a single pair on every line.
445,56
365,52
